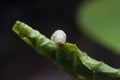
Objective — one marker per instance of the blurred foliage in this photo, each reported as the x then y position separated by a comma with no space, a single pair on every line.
100,20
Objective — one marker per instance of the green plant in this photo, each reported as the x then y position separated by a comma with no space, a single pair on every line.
100,21
66,56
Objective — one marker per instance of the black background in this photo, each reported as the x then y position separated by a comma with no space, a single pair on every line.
18,61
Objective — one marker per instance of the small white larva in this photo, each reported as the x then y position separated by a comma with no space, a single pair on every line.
59,37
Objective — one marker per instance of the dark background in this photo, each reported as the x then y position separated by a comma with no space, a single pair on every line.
18,61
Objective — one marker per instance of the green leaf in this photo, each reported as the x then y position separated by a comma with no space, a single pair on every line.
100,20
67,56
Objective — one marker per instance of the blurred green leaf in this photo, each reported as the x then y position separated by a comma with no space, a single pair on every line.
100,20
67,56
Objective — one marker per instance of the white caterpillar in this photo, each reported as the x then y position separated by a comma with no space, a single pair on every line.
59,37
